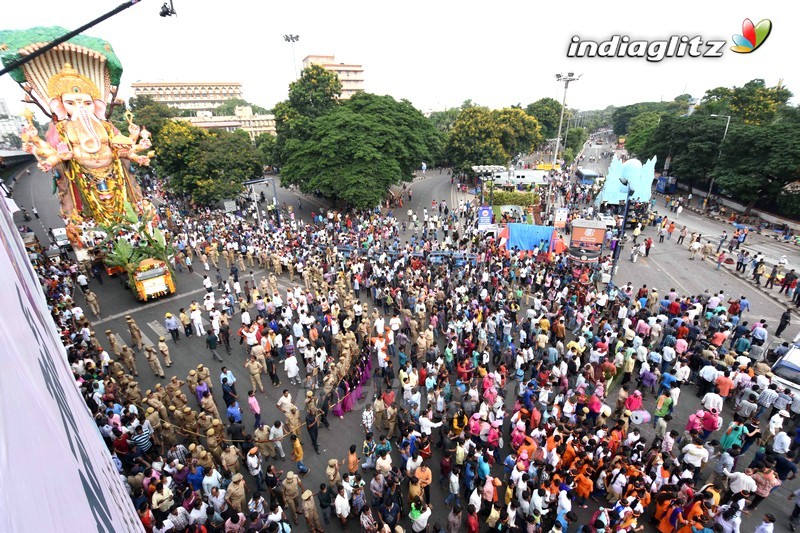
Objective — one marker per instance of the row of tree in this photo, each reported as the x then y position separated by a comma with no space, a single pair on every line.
476,135
754,162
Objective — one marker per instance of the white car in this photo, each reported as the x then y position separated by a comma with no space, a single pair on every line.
60,238
611,222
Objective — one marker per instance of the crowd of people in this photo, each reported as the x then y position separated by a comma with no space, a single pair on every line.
520,387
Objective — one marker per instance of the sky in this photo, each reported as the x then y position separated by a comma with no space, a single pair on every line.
434,53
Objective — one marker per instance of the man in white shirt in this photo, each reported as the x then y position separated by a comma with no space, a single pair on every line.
420,524
198,515
695,454
426,424
781,443
741,481
712,400
342,506
217,500
284,403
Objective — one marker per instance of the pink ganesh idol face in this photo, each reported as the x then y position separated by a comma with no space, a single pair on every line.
76,106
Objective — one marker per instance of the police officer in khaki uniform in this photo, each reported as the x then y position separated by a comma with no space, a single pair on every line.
127,356
164,349
265,447
94,303
152,359
133,393
155,422
135,331
206,460
258,352
112,341
153,401
204,422
293,423
174,388
190,425
94,342
204,374
212,444
191,381
391,420
168,434
208,405
255,368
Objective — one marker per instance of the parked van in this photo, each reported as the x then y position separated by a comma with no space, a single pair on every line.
786,370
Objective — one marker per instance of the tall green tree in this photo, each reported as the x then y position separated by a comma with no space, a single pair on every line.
640,131
623,115
519,132
445,120
265,144
575,138
208,166
752,103
692,143
475,140
312,95
150,114
360,148
547,111
315,92
757,162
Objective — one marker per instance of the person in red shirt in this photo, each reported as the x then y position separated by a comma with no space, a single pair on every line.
674,308
473,525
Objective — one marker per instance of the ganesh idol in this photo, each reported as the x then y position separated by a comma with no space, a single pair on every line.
87,151
89,158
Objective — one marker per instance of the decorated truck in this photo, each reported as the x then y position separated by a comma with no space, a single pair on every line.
150,279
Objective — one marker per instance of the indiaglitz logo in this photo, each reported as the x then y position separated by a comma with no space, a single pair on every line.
652,50
655,50
752,37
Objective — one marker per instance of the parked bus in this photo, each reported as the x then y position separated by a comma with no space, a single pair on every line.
586,176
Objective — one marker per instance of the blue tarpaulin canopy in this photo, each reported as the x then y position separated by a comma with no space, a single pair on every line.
527,236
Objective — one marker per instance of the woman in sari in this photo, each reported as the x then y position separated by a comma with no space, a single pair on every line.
672,519
341,391
349,400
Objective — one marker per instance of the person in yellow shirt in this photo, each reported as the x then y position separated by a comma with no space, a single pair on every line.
298,454
544,323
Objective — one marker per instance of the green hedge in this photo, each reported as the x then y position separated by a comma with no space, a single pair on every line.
514,198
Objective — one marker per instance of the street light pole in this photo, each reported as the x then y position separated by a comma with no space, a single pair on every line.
618,250
719,155
566,78
291,39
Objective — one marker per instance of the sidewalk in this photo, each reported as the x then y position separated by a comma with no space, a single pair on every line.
765,234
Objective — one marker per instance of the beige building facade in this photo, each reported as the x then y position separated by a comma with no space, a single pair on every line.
193,96
243,119
351,76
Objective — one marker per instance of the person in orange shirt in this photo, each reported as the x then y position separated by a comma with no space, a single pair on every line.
425,477
583,487
725,384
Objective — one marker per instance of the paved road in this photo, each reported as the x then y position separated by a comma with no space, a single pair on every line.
667,266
